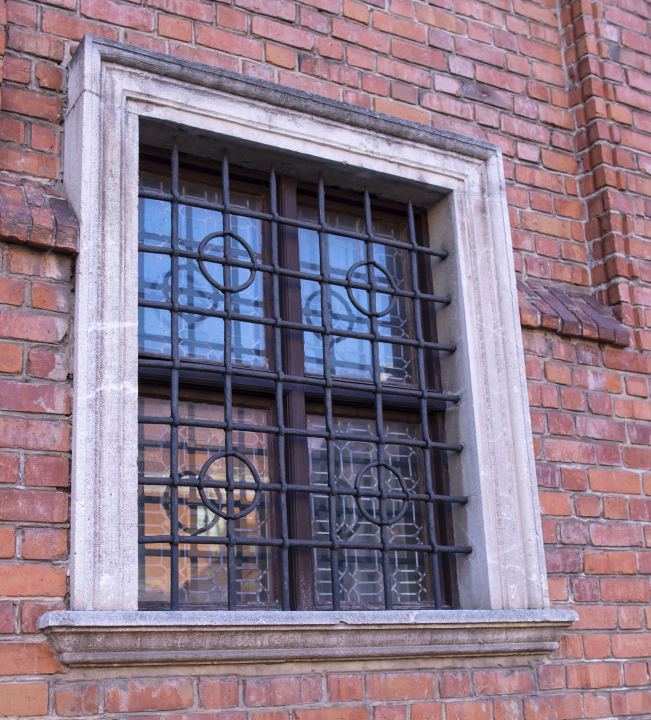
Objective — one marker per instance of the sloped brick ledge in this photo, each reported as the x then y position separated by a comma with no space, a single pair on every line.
33,215
569,312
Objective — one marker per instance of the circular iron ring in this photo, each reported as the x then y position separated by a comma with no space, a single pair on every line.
383,270
203,259
209,503
403,485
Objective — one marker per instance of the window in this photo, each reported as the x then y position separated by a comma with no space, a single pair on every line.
124,99
292,447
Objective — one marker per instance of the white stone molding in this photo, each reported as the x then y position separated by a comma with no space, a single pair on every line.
96,639
112,87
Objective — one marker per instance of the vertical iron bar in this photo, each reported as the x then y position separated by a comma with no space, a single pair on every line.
424,417
327,375
228,385
174,387
280,410
379,415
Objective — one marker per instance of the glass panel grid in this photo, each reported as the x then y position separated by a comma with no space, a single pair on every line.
231,264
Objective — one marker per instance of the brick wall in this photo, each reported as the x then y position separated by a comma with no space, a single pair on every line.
565,90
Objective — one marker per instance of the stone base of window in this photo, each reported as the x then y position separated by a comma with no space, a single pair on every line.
105,638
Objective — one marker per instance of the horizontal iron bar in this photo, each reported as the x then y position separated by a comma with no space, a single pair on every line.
295,432
274,217
306,327
360,385
313,489
269,542
300,274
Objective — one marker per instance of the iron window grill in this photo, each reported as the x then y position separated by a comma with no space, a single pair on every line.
379,494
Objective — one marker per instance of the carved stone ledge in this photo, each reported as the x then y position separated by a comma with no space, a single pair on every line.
95,639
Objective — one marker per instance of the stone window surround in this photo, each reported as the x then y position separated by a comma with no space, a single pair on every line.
502,584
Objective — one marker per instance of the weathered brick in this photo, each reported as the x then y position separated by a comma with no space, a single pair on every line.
77,699
32,581
23,699
147,694
275,691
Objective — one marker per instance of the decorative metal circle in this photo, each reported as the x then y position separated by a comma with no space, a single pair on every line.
405,503
383,270
334,339
203,259
167,505
210,504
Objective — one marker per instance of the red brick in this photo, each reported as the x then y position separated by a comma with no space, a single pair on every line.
417,54
23,699
45,363
7,542
596,646
49,76
636,674
32,581
30,612
503,682
628,361
21,14
12,291
395,26
11,130
345,688
26,102
218,693
11,358
28,659
615,534
17,70
147,694
507,709
610,563
563,561
188,8
400,686
281,9
554,503
280,56
426,711
614,482
274,691
32,326
601,429
468,710
631,703
34,397
355,712
625,590
175,28
569,451
360,36
551,677
118,14
9,468
35,43
228,42
524,129
33,505
6,618
44,544
594,676
559,707
282,33
454,684
630,617
77,699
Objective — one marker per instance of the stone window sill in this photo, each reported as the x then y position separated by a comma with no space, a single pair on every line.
105,638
